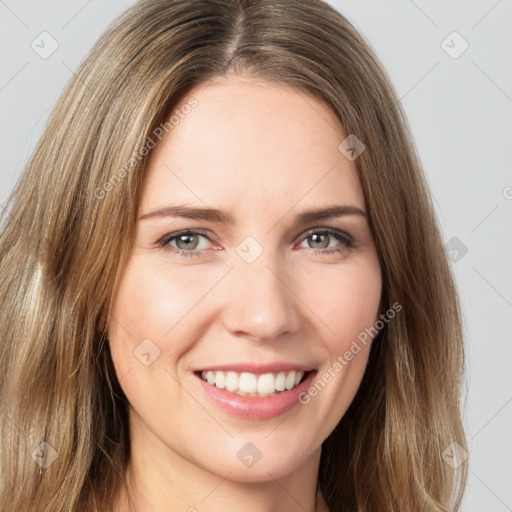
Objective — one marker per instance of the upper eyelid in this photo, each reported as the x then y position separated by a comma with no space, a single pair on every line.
212,237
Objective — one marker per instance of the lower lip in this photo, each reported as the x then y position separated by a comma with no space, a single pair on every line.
254,407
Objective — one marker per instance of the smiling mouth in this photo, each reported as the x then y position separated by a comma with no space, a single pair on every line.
253,384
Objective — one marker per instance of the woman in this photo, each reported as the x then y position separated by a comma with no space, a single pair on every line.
223,284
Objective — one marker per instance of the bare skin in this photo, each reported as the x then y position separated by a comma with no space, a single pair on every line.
264,153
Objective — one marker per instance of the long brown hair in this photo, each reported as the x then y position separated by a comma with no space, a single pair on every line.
67,236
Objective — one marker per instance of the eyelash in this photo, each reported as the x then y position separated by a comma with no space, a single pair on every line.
346,240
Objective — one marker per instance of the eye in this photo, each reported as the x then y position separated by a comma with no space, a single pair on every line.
188,243
320,238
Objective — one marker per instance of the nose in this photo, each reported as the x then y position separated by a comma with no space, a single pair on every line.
259,301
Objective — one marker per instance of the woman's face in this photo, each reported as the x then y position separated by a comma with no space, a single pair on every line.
251,295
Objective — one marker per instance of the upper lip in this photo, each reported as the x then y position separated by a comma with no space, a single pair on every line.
283,366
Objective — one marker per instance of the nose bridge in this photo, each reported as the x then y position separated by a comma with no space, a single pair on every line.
259,302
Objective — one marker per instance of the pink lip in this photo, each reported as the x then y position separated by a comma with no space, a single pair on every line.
257,368
253,407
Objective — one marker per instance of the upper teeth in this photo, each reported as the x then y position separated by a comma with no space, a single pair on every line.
253,384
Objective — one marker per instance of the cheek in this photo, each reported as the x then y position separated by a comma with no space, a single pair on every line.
347,303
134,325
148,305
157,310
146,314
349,307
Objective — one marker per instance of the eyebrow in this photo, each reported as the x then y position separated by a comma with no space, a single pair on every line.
214,215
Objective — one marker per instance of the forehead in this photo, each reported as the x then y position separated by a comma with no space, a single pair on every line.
252,141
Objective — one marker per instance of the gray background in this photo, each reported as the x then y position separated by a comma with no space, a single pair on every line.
460,113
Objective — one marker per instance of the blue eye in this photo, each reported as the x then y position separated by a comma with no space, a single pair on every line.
189,240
